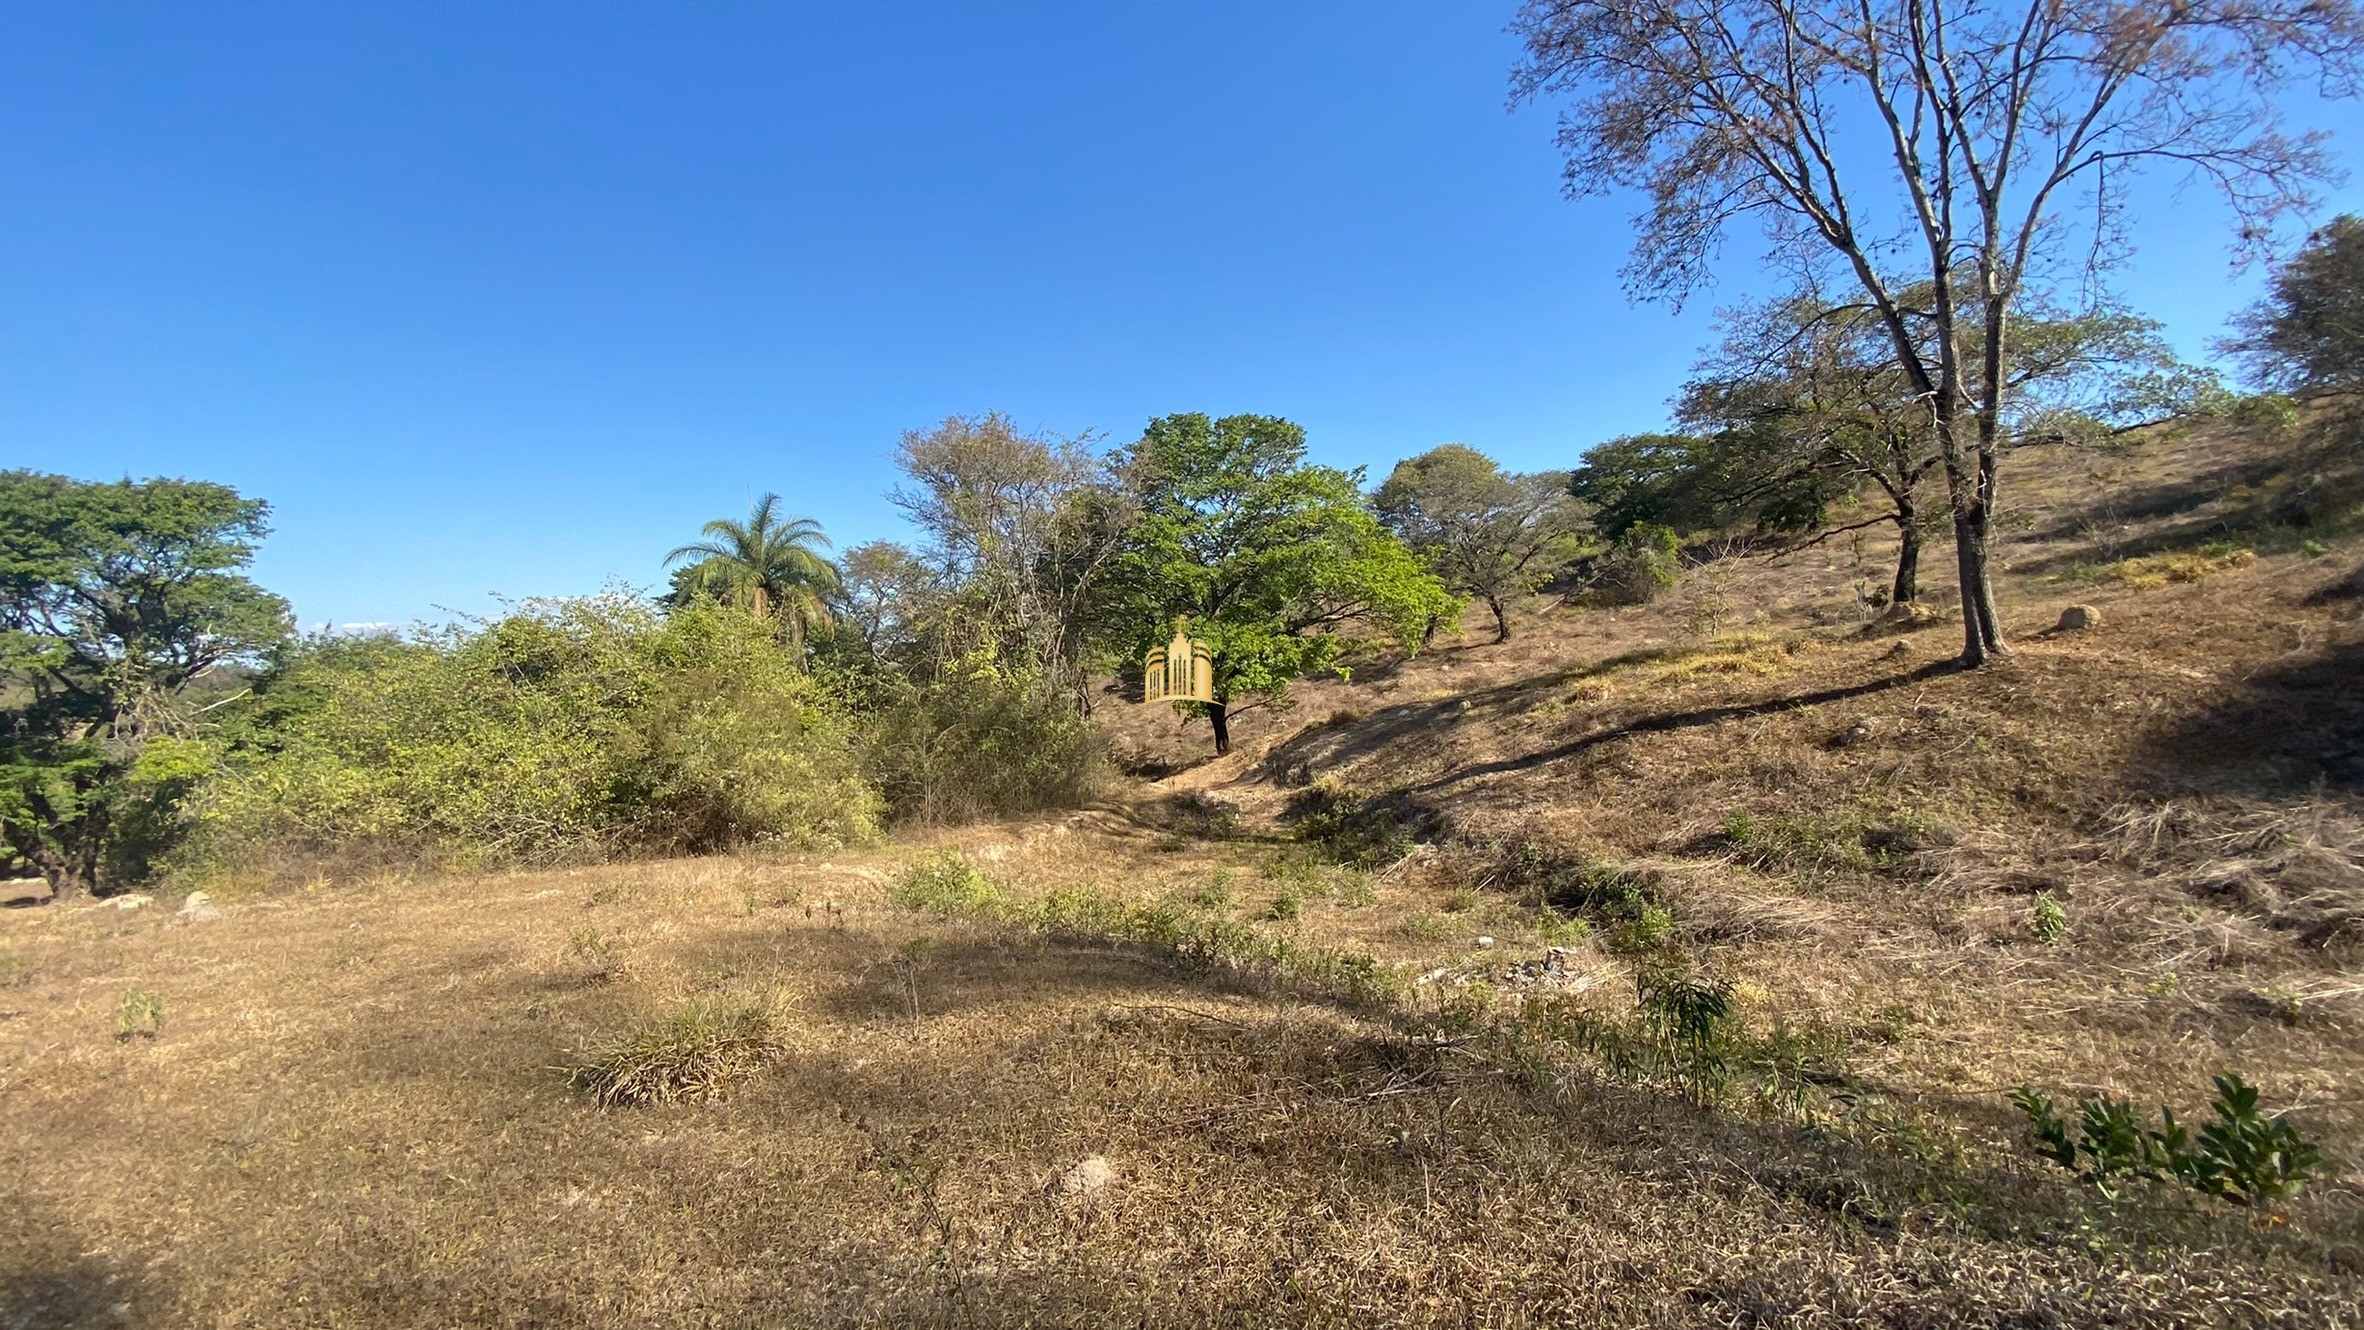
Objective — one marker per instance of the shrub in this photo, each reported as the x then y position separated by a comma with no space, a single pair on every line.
139,1015
2047,920
568,731
1645,561
984,741
2263,413
1346,828
945,884
694,1055
1690,1015
2243,1157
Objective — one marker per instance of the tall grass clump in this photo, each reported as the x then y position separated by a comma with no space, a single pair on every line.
696,1054
570,730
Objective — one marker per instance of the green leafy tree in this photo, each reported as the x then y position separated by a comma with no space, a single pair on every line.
116,599
1662,479
1269,556
1485,532
2308,332
770,565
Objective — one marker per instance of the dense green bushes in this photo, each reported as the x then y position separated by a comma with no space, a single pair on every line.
1646,560
570,730
980,740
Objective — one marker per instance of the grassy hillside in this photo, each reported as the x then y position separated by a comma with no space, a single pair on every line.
1349,1017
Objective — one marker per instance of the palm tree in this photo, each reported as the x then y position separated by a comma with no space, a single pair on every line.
770,565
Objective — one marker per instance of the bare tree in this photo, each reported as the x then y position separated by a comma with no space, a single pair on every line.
1954,133
1804,405
1021,525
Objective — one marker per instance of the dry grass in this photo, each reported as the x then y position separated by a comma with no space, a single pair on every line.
694,1055
360,1109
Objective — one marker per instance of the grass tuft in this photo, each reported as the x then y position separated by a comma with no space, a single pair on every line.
696,1054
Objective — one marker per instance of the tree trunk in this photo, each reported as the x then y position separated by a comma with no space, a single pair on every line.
1219,717
1908,558
69,874
1501,619
1981,635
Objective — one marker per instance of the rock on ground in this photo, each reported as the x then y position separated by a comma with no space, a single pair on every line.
1090,1174
2077,618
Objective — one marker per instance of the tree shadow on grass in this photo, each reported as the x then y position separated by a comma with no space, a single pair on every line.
1680,720
2292,728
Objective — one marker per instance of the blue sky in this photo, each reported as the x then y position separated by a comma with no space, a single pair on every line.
510,297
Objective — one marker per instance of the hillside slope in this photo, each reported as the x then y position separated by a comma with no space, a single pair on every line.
1350,1017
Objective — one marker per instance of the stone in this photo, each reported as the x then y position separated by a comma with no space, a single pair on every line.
1906,615
2078,618
1090,1175
137,900
198,905
1485,944
1852,735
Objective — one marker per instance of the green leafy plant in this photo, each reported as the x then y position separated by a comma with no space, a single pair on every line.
2243,1156
2047,920
1646,930
1645,561
2248,1158
1287,905
1344,827
945,883
139,1015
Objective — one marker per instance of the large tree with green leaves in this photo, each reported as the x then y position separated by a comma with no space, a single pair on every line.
771,565
1486,532
1268,555
2308,332
115,598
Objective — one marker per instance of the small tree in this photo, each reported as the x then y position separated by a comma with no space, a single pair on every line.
770,565
1805,407
1019,528
2308,332
1269,557
114,600
1485,532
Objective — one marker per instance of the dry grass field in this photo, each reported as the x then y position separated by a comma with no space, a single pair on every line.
1313,1095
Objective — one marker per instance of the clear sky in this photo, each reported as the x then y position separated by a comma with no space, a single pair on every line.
509,297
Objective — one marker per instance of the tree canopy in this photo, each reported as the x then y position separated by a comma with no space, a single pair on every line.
2308,331
1484,531
114,598
1988,125
770,565
1268,555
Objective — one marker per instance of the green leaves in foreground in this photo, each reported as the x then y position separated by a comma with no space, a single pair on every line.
2243,1157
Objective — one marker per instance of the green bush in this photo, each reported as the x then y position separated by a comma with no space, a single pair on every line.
983,741
139,1015
570,730
1342,826
945,883
1645,561
2048,921
2243,1157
